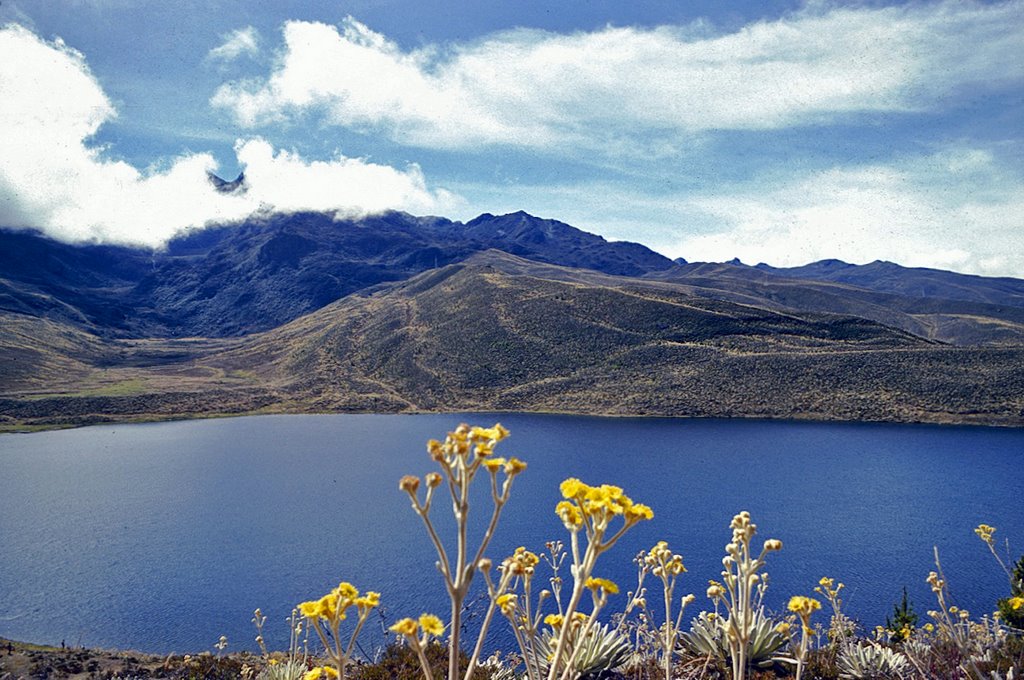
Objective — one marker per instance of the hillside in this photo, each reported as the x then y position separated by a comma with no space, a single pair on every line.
239,279
497,332
943,306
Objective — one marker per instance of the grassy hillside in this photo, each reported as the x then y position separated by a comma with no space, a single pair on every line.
498,332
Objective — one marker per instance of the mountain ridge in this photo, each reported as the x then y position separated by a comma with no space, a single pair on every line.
397,313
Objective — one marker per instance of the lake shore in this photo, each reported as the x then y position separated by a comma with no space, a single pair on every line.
25,660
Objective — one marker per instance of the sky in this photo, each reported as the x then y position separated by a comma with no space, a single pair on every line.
777,131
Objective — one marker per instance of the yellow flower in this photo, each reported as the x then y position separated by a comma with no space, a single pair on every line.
406,627
409,483
1016,603
783,628
431,625
985,532
320,672
569,514
347,590
435,449
514,466
803,606
553,620
310,609
272,662
604,584
369,600
639,511
573,488
433,479
496,433
715,591
507,603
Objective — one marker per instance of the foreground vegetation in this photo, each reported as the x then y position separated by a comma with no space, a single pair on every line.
561,613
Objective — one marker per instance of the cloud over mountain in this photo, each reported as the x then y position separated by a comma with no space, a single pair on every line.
53,179
595,89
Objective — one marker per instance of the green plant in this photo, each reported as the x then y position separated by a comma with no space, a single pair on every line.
709,632
840,626
592,511
595,651
400,662
904,619
741,577
325,616
294,665
871,661
803,607
666,566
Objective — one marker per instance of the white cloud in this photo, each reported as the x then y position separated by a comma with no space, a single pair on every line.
958,209
597,89
53,180
242,41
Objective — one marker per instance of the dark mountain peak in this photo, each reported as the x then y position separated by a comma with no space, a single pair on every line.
226,187
736,261
680,260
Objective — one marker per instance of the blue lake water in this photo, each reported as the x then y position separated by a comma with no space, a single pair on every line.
165,536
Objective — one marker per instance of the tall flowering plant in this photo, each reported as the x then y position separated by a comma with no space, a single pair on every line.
465,453
596,518
740,577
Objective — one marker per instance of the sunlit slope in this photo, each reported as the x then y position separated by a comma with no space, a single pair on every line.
504,333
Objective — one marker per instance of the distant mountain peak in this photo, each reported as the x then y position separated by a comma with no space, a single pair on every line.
226,187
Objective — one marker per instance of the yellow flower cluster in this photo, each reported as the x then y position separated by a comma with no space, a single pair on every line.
334,604
320,672
459,443
985,532
595,584
556,620
428,623
826,586
507,603
663,562
803,606
521,563
512,467
1016,603
598,504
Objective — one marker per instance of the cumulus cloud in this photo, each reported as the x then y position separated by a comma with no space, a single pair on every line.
242,41
52,179
957,209
533,88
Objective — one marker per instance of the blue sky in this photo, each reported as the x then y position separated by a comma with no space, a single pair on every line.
782,132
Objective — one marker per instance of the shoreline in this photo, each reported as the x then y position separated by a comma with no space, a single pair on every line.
940,420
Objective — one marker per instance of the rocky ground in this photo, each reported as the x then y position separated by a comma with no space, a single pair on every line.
19,660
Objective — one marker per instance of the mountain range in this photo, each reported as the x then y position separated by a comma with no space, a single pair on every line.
393,312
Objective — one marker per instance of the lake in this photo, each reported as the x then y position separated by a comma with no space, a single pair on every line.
162,537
